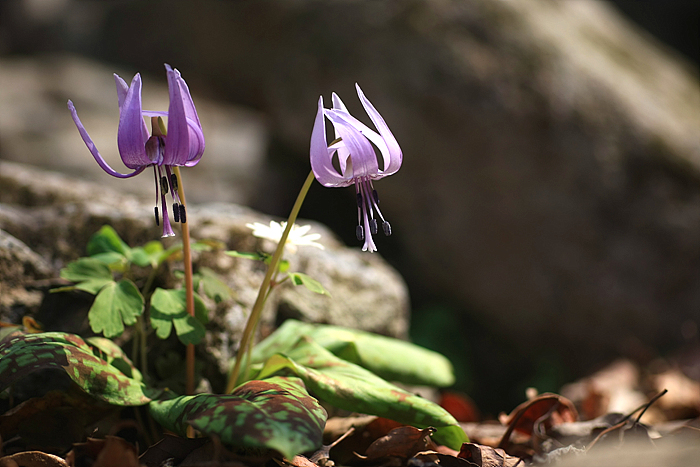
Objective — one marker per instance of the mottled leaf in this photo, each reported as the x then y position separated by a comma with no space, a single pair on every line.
351,387
22,355
118,303
169,308
114,355
276,414
392,359
313,285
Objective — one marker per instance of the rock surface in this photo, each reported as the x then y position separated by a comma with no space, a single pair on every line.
550,189
56,215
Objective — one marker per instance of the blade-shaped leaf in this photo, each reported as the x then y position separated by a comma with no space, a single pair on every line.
392,359
169,307
351,387
276,414
117,304
25,354
113,354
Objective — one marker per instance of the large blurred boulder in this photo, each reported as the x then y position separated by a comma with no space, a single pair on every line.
55,215
552,157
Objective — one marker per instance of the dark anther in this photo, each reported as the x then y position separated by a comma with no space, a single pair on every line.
387,228
157,216
176,212
173,181
183,215
360,233
164,184
373,226
375,196
359,200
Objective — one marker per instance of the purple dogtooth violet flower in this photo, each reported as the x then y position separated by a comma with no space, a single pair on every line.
352,160
182,145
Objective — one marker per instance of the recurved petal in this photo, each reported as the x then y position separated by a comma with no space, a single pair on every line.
93,149
393,157
321,157
362,154
131,138
177,147
185,138
122,91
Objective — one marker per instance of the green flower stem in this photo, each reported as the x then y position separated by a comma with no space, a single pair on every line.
254,317
189,289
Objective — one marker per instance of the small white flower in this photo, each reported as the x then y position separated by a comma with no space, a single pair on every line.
295,238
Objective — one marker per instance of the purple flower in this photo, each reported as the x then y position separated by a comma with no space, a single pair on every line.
356,160
183,144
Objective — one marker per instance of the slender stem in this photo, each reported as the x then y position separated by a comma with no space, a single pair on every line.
264,288
189,290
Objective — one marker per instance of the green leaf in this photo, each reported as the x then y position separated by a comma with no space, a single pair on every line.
246,255
85,269
169,307
93,286
116,304
276,414
107,240
391,359
147,255
212,286
313,285
25,354
111,258
351,387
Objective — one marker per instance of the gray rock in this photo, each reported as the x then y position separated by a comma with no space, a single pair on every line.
20,269
550,184
56,215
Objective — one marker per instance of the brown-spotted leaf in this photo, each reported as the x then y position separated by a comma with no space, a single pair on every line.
25,354
351,387
276,413
486,456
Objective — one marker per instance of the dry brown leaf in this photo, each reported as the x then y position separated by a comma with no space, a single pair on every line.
170,447
459,405
32,459
301,461
683,397
109,452
544,411
401,442
486,456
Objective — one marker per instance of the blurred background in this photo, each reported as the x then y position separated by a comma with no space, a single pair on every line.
547,215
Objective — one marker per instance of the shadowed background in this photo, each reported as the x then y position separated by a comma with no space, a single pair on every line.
547,216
